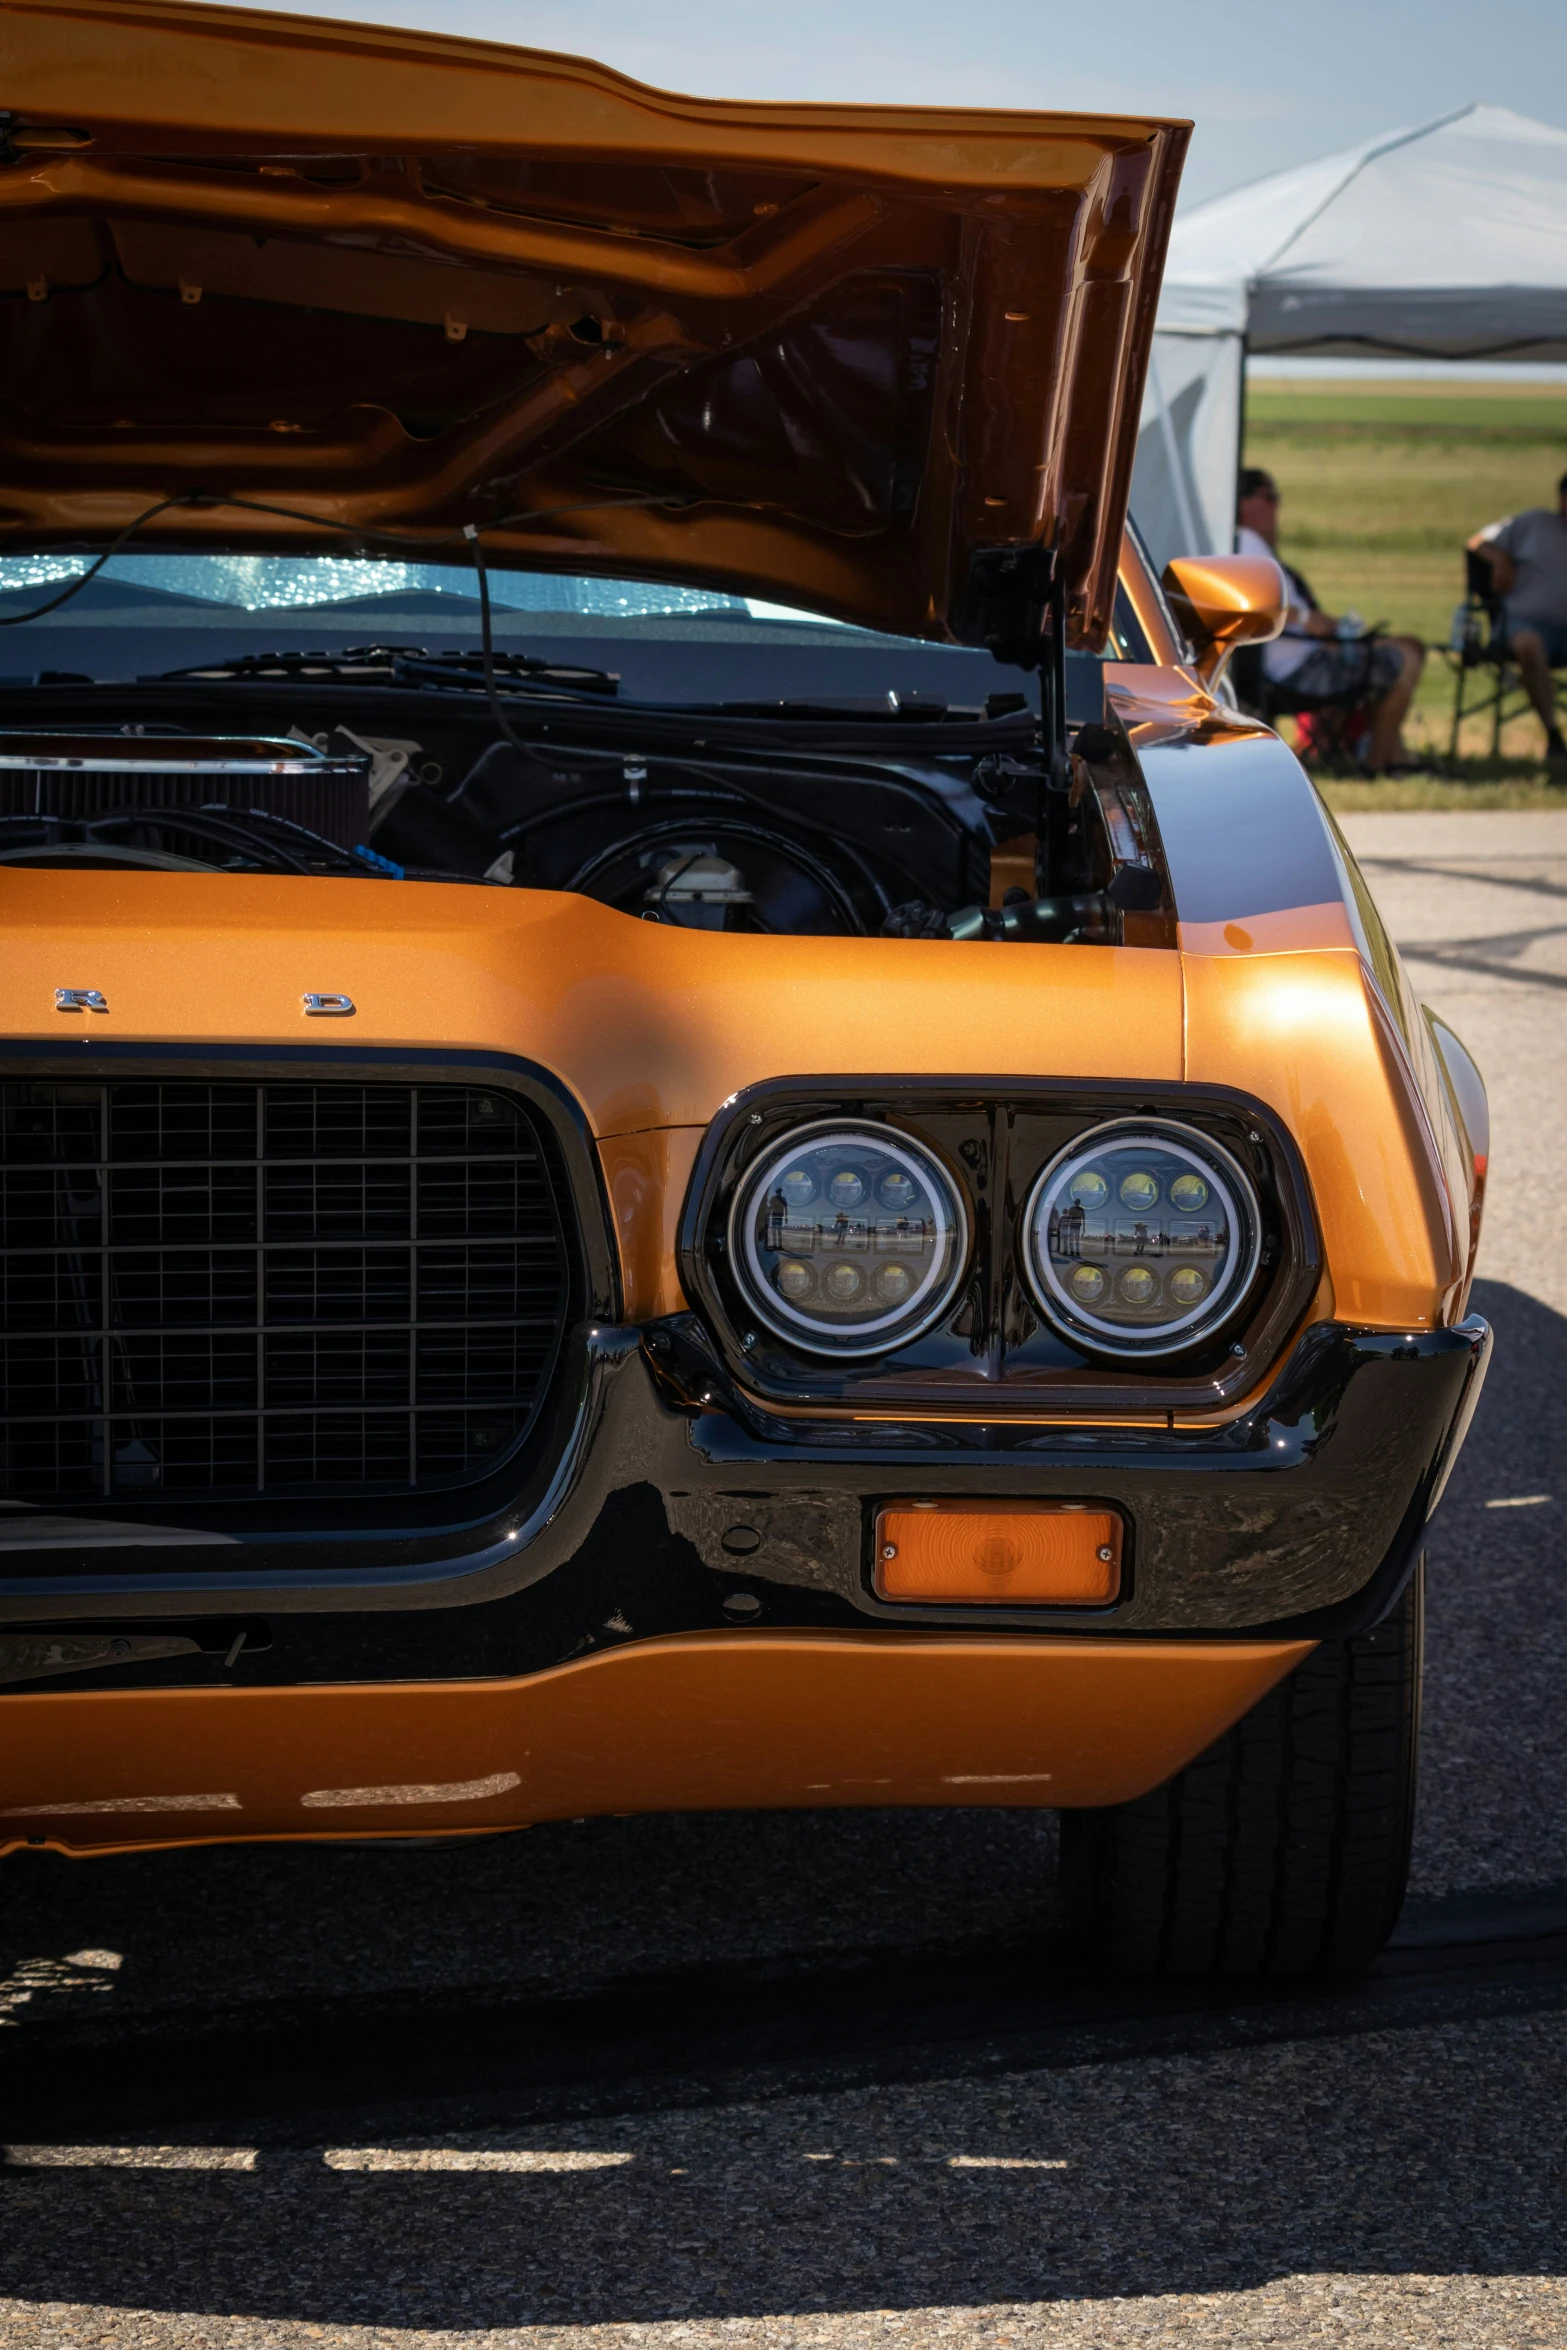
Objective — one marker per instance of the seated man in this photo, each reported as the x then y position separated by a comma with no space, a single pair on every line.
1528,558
1319,659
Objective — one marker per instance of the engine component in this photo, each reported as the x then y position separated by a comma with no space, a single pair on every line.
1092,915
917,920
187,840
699,891
820,846
735,877
86,775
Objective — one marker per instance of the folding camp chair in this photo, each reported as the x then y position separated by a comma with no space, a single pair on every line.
1485,677
1337,726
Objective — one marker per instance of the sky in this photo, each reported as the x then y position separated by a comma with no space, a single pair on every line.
1267,85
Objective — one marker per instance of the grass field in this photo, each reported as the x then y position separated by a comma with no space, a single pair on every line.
1383,482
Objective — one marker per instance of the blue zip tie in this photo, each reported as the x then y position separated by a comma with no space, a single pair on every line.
379,864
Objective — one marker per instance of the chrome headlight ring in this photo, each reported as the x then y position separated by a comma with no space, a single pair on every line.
848,1238
1142,1237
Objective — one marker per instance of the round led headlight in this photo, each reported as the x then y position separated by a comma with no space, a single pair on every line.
848,1239
1141,1239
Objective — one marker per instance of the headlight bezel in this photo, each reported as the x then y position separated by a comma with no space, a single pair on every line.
993,1354
893,1330
1208,1318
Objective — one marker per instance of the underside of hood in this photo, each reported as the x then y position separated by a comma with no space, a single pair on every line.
400,283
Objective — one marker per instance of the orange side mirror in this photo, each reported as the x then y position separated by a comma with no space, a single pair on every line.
1222,601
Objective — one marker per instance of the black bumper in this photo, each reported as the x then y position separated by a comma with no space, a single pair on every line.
674,1505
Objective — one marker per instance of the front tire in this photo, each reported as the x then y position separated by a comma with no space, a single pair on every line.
1284,1849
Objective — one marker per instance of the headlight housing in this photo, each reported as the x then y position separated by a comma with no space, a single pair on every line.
848,1239
1141,1238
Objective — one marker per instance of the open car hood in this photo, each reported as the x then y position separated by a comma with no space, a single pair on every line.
406,283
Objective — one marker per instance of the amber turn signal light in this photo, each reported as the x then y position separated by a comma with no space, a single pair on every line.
1001,1554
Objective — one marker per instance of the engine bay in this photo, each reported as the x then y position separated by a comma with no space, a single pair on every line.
910,823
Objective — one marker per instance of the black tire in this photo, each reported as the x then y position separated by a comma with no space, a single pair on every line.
1284,1849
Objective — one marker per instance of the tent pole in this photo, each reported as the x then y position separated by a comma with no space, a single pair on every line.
1240,432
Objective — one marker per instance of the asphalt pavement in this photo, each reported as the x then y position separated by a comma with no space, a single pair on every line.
1385,2168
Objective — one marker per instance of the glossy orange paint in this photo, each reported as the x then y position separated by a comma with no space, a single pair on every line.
646,1177
1294,930
1304,1033
646,1025
1170,696
652,1028
390,278
1226,600
1472,1113
1426,1082
698,1722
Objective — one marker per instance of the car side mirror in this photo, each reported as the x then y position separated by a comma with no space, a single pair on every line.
1222,601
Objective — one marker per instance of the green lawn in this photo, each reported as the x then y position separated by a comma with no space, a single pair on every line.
1383,483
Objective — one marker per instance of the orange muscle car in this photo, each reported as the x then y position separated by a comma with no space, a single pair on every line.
688,1122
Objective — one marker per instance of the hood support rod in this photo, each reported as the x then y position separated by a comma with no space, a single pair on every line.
1017,607
1056,776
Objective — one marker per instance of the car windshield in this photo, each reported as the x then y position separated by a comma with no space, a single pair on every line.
145,615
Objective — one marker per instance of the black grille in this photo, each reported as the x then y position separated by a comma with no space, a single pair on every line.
229,1290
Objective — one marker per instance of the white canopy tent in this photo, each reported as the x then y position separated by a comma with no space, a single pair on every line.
1444,242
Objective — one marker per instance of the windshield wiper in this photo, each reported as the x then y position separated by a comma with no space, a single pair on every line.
359,661
404,665
526,678
523,672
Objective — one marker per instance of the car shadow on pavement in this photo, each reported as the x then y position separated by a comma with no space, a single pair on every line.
1493,1808
1425,2153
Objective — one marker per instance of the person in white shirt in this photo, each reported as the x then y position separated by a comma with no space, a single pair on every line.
1528,558
1320,659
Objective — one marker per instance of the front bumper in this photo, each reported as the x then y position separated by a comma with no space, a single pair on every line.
706,1722
677,1506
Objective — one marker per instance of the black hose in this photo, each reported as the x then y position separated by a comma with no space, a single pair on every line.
75,587
487,645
